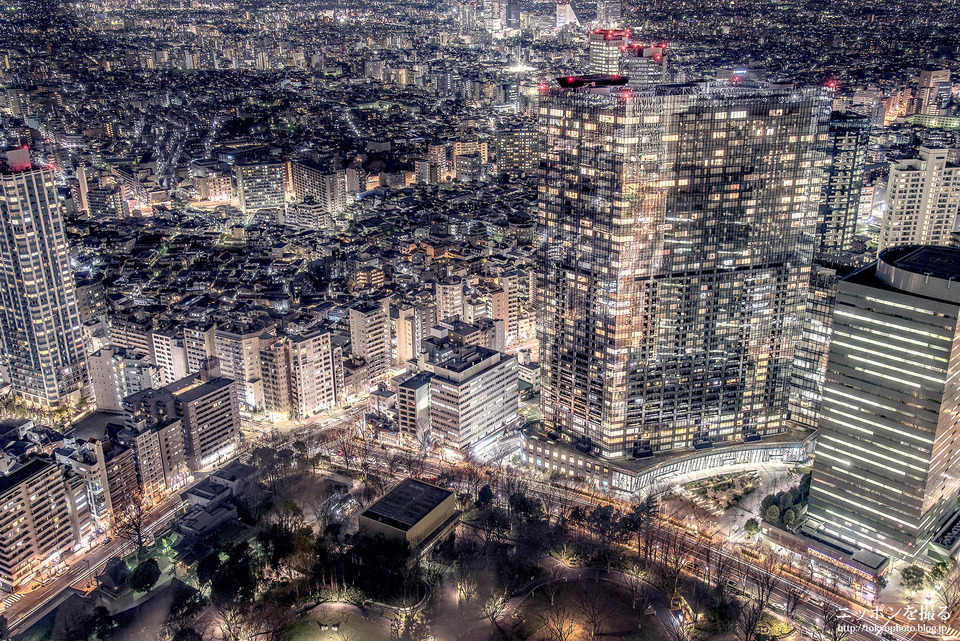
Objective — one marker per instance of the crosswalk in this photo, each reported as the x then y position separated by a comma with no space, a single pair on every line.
9,600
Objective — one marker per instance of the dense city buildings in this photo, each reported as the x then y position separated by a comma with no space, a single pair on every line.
606,48
207,408
260,263
883,476
673,265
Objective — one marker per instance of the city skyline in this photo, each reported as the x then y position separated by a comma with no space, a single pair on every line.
479,321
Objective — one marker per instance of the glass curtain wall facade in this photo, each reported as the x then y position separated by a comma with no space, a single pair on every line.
675,238
846,154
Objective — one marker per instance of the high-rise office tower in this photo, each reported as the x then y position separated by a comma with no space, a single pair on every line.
40,330
836,225
609,13
606,47
644,64
513,14
884,475
846,150
923,195
675,229
810,357
565,15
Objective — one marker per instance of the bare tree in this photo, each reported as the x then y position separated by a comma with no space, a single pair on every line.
596,608
746,624
364,451
558,623
416,462
672,558
638,590
765,576
323,505
554,584
514,485
494,607
796,596
497,459
678,632
948,591
466,584
458,631
473,478
424,435
833,622
557,502
346,447
130,522
722,566
257,622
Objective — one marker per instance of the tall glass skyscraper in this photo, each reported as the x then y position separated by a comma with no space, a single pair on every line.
39,320
675,240
845,155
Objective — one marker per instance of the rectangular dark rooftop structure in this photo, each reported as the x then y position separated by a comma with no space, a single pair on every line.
592,80
407,504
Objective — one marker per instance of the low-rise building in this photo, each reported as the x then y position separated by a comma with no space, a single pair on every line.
414,511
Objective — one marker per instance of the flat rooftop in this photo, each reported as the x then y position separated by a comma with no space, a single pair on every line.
24,472
933,260
407,504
